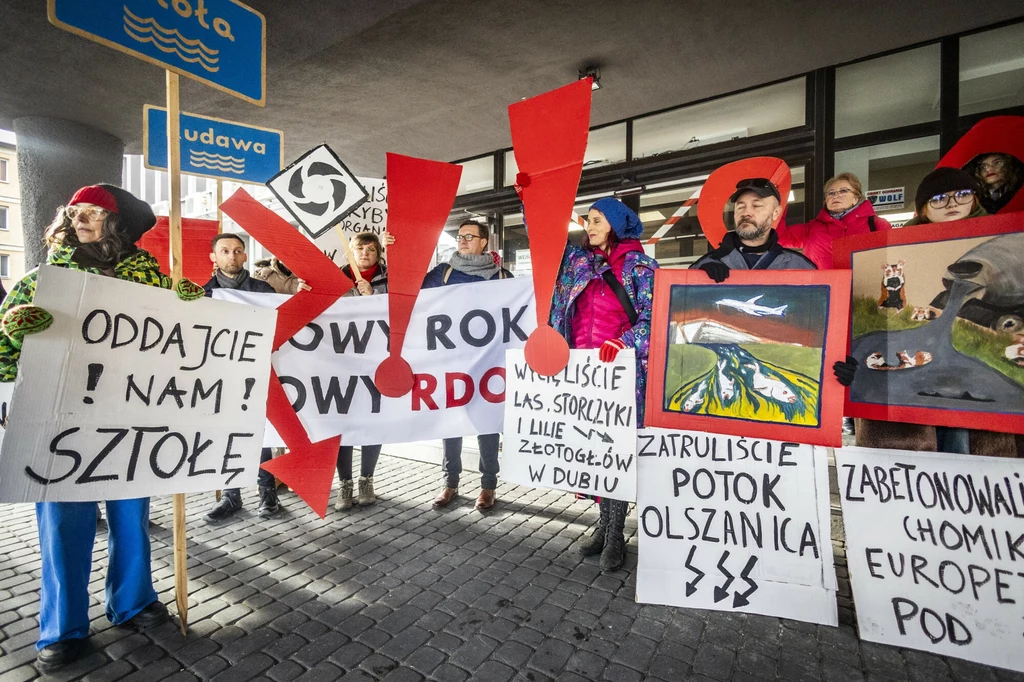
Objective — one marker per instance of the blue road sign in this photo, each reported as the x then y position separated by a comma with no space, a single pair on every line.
222,43
214,147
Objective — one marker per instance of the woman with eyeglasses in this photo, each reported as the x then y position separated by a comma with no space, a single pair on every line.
999,177
471,262
845,213
95,233
945,195
602,300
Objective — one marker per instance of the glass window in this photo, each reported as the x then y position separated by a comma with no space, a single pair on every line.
755,112
3,170
3,217
477,175
605,146
992,70
888,92
891,169
5,266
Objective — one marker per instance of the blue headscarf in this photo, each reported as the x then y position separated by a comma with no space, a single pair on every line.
623,220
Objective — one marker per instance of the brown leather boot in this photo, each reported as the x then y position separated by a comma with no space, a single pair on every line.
445,497
486,499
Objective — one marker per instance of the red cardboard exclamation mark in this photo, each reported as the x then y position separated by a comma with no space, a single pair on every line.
420,197
549,138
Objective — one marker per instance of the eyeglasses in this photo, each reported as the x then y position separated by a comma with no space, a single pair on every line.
90,212
995,164
942,200
836,193
466,237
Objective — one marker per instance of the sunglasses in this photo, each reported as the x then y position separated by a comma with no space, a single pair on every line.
90,212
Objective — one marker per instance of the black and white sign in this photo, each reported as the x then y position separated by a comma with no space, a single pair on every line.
935,544
369,216
734,524
132,392
318,190
573,431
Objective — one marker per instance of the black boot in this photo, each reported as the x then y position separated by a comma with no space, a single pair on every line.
595,543
269,505
614,554
59,654
230,502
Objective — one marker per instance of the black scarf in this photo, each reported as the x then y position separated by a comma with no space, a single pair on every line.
92,255
236,282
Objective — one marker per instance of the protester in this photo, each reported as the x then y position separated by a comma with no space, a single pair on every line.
602,299
845,213
754,245
999,178
228,256
470,263
96,233
367,249
945,195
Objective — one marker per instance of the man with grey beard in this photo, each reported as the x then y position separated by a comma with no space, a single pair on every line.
753,245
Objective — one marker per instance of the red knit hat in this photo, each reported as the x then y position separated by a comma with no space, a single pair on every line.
95,195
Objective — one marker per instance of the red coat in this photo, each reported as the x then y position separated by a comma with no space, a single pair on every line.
816,237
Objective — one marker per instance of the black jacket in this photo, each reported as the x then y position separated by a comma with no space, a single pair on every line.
252,284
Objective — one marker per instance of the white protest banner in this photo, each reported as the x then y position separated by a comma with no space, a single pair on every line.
935,545
6,393
132,392
730,523
455,343
573,431
370,216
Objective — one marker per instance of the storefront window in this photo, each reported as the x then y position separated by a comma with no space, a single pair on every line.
889,171
888,92
605,146
992,70
755,112
477,175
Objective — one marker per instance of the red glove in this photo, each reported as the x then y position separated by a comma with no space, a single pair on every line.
609,349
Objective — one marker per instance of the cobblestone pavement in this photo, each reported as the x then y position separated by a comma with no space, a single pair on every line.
400,592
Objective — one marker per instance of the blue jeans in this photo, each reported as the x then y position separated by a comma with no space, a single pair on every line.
67,531
452,464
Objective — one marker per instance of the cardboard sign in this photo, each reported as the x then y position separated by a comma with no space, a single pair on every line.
370,216
935,545
751,356
937,322
318,190
995,134
734,524
456,345
196,237
213,147
132,392
886,198
575,430
221,43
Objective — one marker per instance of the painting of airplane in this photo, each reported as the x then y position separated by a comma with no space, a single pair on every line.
751,307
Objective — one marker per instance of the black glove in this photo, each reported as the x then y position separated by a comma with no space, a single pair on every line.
716,271
844,370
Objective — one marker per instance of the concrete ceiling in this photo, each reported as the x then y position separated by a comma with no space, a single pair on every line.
432,78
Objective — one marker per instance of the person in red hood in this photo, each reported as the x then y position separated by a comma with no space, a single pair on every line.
845,214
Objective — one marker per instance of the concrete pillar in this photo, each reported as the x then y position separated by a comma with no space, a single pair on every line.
55,158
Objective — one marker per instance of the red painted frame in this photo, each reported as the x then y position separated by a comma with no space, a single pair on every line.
842,257
832,392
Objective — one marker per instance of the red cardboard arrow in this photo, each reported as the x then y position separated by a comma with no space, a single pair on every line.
720,185
992,135
307,468
549,138
300,255
196,235
420,197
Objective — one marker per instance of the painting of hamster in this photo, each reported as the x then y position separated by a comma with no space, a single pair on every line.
894,291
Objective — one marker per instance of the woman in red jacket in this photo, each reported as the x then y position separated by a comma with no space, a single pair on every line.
845,214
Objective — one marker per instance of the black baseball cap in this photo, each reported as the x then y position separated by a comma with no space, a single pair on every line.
762,187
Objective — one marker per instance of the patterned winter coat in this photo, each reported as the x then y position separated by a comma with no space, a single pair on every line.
581,266
139,267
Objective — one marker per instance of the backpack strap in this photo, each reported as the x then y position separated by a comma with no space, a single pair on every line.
447,274
767,259
871,223
620,293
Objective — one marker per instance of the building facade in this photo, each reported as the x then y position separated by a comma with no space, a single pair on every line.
12,239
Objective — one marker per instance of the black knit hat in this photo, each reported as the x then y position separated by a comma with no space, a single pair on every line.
940,181
134,216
